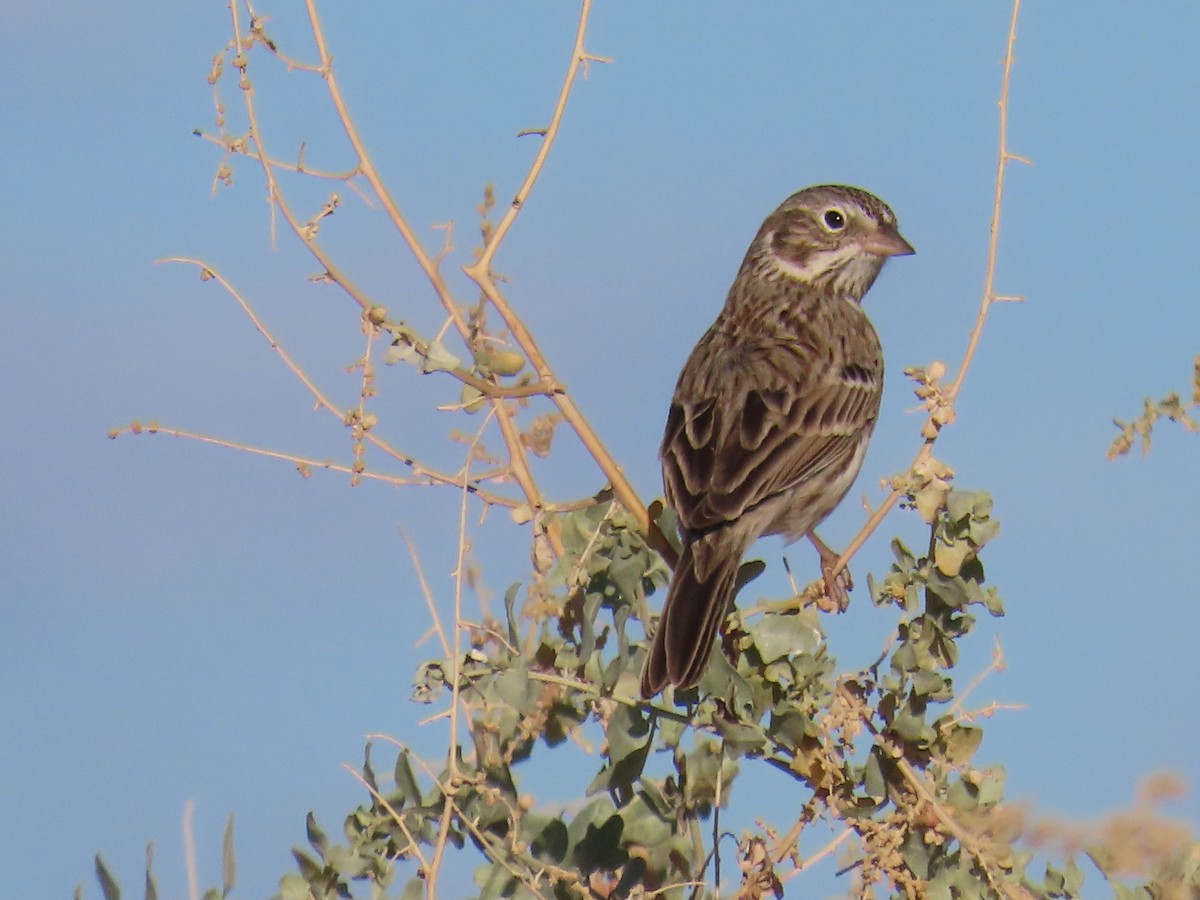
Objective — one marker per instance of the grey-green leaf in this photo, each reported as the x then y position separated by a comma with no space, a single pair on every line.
228,861
108,884
151,885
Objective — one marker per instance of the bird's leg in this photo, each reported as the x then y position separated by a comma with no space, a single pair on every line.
837,587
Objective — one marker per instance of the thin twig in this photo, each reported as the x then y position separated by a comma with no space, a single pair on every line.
481,273
810,861
716,829
236,146
274,194
984,712
363,424
996,665
1003,157
323,402
425,477
455,673
579,57
426,592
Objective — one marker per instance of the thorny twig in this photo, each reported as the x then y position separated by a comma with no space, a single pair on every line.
1004,157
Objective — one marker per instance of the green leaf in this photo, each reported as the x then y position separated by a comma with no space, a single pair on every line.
401,353
980,532
906,560
406,780
913,729
739,737
293,886
551,842
515,690
652,794
494,882
439,359
905,658
626,575
414,889
429,682
151,885
644,825
874,782
991,785
228,860
917,857
952,591
747,572
346,862
594,813
789,725
977,787
776,636
368,771
961,744
1073,877
510,615
945,886
961,504
632,875
600,847
928,501
316,837
306,864
925,683
706,767
628,732
949,557
628,736
991,599
108,884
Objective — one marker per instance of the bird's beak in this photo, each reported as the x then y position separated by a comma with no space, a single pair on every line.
886,241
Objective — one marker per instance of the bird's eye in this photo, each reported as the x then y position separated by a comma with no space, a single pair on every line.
834,220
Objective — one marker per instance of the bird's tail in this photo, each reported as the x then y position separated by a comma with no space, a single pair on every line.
698,600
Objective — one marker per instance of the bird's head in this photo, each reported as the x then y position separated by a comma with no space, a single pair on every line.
832,237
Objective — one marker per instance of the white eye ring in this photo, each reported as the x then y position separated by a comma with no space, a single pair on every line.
833,219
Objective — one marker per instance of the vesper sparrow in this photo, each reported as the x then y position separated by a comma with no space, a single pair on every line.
773,411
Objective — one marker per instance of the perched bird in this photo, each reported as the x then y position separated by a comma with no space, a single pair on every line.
773,410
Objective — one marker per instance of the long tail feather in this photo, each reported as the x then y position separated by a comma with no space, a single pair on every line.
697,602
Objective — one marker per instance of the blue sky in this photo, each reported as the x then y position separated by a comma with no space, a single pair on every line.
185,622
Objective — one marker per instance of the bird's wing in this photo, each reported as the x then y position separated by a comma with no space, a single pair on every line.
759,419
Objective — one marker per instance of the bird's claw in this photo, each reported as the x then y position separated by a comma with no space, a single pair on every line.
836,597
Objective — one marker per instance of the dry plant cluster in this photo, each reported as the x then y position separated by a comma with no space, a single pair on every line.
880,762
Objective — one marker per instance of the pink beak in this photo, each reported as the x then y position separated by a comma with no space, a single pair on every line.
886,241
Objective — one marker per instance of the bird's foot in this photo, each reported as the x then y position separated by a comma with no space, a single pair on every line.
836,597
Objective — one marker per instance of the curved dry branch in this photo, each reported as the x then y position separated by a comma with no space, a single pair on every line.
943,412
481,273
255,145
430,266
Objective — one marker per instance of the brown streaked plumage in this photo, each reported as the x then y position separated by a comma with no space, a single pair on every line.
773,410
